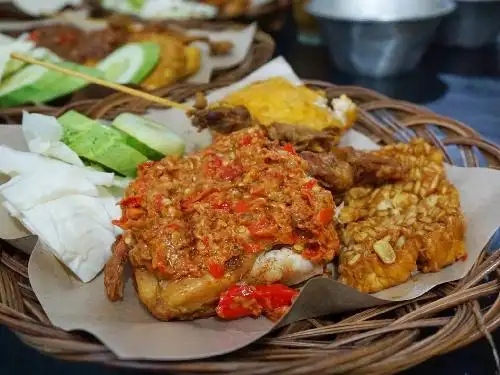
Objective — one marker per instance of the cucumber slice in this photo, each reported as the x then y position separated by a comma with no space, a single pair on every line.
38,53
36,84
136,4
99,144
150,138
130,63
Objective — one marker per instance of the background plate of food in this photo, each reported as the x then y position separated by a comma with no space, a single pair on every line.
146,9
264,198
148,56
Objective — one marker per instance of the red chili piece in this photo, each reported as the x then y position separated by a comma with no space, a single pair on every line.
216,270
246,140
241,207
130,202
248,300
325,216
289,148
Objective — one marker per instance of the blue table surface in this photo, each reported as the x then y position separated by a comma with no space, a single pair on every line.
461,84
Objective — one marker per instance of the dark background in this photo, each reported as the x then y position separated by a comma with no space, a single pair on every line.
457,83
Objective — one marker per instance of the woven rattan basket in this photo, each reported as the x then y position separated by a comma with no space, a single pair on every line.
381,340
261,51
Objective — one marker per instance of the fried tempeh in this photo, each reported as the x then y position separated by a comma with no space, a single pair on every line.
387,232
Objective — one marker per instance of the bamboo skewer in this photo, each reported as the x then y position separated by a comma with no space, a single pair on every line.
101,82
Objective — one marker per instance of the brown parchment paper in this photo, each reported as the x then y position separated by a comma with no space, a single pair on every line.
132,333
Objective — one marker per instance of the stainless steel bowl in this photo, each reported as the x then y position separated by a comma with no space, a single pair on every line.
378,38
474,24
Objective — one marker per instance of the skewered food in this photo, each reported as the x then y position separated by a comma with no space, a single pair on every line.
392,230
195,227
126,52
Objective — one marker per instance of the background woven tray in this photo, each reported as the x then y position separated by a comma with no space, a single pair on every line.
261,51
381,340
251,14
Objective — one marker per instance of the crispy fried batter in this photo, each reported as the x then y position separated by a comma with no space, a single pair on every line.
304,138
392,230
173,64
113,271
279,101
344,167
222,119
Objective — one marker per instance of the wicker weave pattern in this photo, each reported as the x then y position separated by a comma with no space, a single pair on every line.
381,340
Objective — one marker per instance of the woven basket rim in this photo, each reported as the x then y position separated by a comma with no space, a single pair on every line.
381,340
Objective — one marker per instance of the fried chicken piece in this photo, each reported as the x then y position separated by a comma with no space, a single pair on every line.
344,167
223,120
113,271
198,225
304,138
387,232
289,114
185,299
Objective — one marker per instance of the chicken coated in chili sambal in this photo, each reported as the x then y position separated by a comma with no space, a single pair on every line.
223,230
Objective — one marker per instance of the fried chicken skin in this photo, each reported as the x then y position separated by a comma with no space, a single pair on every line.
243,210
343,168
389,231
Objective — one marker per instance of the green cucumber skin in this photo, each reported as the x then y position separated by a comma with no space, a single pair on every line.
63,84
151,53
100,144
149,134
49,86
141,147
151,58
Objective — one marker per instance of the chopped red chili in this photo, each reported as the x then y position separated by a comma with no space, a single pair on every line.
245,300
246,140
227,199
289,148
309,185
231,171
133,201
211,165
262,229
252,248
325,216
216,270
241,207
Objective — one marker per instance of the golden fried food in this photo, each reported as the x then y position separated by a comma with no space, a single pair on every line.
176,60
343,168
390,231
196,226
278,101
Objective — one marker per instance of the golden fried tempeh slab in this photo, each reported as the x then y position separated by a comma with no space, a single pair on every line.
395,229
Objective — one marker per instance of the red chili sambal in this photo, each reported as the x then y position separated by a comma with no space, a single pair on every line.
197,215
